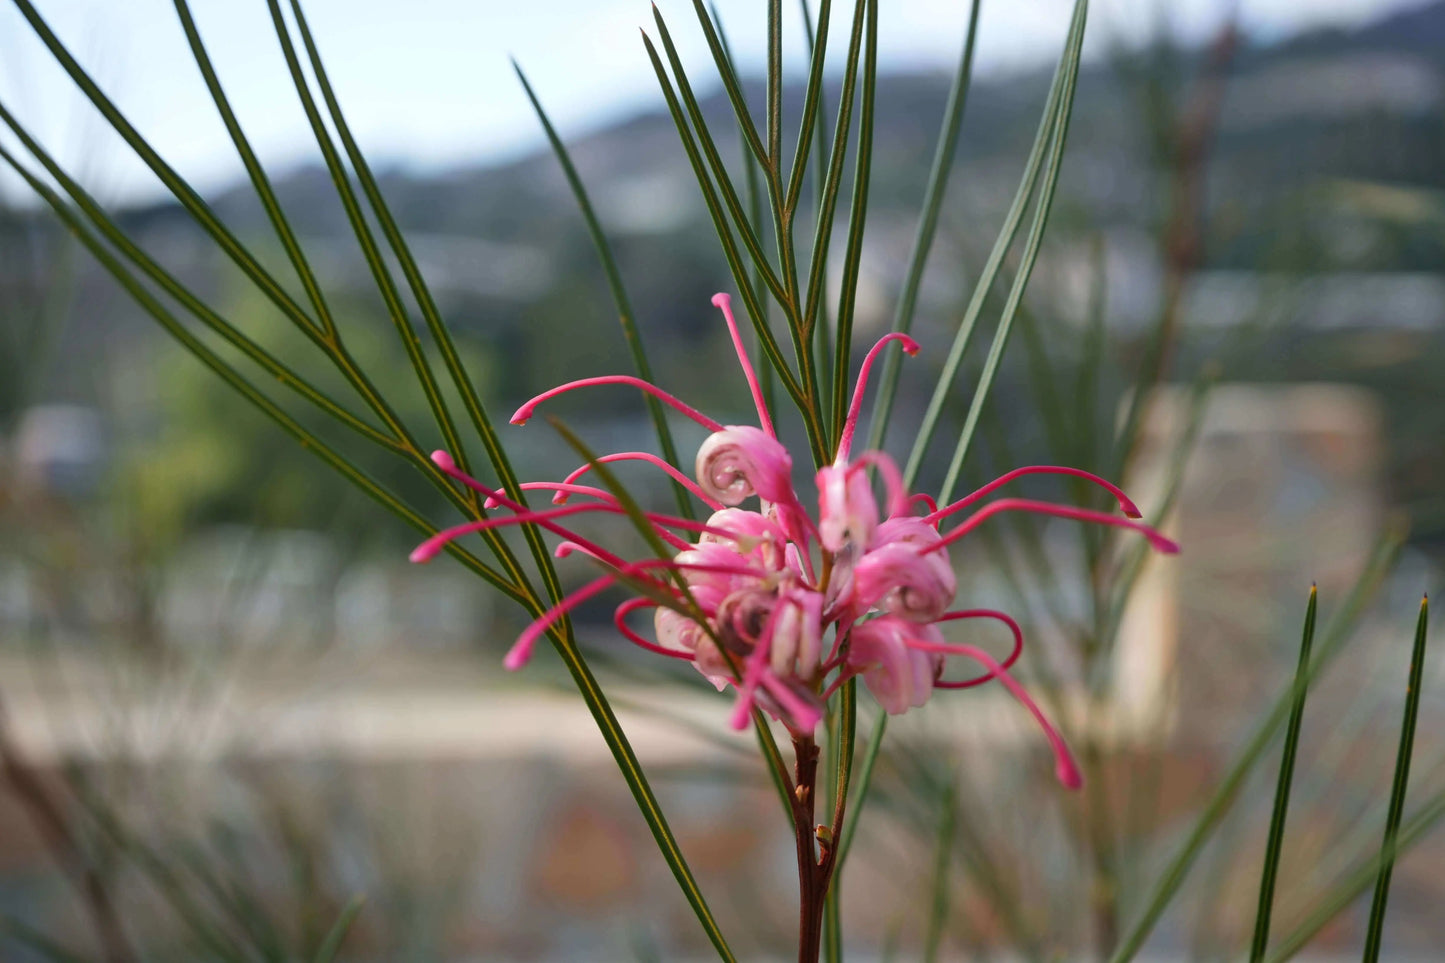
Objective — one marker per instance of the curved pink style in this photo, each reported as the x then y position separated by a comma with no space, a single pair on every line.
560,488
724,303
676,474
619,619
845,440
1013,656
524,413
429,549
1126,505
1161,543
1065,768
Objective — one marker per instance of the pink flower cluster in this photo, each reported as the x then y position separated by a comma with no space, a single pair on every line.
780,606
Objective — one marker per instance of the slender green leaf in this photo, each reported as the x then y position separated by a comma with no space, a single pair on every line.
731,85
1049,124
821,336
853,249
775,83
755,215
823,227
938,176
756,312
331,945
625,315
210,359
381,274
1375,931
228,243
1031,248
1342,895
942,862
809,126
102,222
461,381
1336,634
1281,794
257,174
729,194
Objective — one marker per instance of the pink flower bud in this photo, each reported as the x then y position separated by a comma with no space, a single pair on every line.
740,461
847,511
899,676
896,579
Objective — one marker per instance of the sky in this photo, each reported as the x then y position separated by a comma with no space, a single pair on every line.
428,83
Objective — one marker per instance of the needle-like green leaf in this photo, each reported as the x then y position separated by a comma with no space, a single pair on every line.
1275,843
250,392
1050,124
331,945
1220,802
728,192
1050,180
938,176
1374,933
1347,890
823,228
853,249
623,303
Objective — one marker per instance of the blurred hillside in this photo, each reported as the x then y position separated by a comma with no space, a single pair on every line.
1314,253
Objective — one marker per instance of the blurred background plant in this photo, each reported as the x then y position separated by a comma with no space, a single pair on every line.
230,708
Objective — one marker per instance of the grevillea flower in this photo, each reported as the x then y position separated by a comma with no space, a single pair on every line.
766,600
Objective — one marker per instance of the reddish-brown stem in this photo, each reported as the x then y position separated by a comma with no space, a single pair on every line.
816,851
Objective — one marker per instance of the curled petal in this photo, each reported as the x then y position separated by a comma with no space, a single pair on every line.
740,461
906,530
745,618
898,580
899,676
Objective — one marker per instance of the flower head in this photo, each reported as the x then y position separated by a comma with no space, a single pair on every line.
765,599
